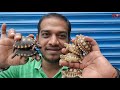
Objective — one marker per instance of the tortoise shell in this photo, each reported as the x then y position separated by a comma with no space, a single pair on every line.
72,73
21,52
25,42
71,57
26,47
85,46
73,48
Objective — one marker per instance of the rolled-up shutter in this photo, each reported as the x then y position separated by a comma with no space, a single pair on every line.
104,27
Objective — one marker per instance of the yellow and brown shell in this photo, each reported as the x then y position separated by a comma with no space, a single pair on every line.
72,73
72,48
71,57
85,46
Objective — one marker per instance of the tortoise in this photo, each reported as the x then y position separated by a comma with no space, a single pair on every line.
72,73
71,57
26,47
73,48
85,46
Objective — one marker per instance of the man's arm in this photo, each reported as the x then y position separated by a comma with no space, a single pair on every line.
11,72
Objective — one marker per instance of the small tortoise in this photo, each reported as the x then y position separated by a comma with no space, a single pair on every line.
26,47
73,48
71,57
72,73
85,46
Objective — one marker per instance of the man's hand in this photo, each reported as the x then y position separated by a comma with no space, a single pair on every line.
6,48
94,65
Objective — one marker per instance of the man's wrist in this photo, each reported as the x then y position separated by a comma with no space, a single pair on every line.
3,69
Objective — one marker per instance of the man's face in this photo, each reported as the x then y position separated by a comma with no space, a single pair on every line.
53,34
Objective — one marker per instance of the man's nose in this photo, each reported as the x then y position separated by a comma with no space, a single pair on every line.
54,40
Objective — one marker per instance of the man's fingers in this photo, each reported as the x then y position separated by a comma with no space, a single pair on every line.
3,31
77,65
90,58
31,35
17,60
11,33
94,44
23,60
69,64
64,51
72,40
17,37
63,63
13,61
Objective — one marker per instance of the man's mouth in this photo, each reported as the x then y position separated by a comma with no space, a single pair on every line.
53,50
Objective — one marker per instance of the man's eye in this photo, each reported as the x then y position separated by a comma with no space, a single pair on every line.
45,35
62,36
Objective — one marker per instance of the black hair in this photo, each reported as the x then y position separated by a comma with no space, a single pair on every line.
60,16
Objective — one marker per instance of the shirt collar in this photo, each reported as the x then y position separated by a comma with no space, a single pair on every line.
37,64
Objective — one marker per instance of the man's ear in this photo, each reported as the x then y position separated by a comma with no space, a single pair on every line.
37,37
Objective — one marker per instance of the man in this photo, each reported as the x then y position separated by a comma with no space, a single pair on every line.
53,31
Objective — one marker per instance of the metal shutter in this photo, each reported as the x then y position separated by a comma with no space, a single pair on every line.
104,27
